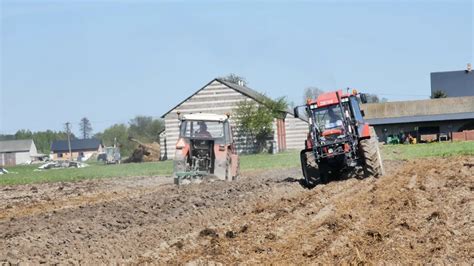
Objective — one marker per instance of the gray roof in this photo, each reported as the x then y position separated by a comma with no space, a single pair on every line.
419,108
15,145
257,96
242,89
76,145
420,118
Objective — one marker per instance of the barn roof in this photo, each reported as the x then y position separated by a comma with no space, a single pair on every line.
76,145
15,145
257,96
455,108
420,118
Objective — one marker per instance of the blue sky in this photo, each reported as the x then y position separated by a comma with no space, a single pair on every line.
112,60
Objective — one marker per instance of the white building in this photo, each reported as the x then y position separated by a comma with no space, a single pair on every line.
13,152
221,97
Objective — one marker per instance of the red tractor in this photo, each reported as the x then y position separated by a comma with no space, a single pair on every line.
339,139
205,148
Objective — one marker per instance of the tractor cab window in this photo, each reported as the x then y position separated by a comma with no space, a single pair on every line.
202,129
328,118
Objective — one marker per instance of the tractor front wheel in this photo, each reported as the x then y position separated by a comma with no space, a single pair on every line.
373,165
309,168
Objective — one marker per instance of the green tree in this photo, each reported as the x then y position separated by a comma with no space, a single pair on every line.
23,134
255,119
439,94
146,128
119,132
233,78
42,139
85,127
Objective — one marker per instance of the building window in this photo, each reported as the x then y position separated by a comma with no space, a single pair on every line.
60,155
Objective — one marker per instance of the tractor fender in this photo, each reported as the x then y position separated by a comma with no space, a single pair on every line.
364,131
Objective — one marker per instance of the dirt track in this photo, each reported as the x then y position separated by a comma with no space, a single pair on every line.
420,211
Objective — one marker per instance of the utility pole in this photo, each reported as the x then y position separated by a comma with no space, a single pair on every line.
68,131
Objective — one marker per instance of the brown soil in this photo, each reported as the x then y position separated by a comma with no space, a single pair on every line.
421,211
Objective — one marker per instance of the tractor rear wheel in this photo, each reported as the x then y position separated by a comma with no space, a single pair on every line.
309,168
373,165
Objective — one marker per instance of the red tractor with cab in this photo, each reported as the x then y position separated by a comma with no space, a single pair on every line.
205,149
339,139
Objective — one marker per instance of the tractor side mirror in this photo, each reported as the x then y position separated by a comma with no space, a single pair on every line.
295,112
363,98
362,113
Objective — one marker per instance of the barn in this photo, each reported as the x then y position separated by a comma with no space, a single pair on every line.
439,117
220,97
13,152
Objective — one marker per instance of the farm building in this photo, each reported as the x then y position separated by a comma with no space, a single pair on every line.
13,152
439,117
453,83
220,97
80,148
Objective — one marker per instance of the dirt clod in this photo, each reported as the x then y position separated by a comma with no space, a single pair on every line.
208,232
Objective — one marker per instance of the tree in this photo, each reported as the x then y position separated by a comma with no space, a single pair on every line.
42,139
85,127
311,93
255,119
439,94
233,78
372,98
146,128
23,134
120,133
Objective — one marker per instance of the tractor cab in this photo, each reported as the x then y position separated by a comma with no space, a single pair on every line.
329,121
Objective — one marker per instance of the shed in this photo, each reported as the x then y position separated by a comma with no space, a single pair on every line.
220,97
13,152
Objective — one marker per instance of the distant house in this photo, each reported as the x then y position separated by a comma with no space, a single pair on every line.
13,152
220,97
80,148
453,83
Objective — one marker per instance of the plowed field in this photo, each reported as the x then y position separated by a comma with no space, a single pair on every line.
421,211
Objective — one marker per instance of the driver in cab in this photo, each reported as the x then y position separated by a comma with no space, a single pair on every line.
202,132
334,120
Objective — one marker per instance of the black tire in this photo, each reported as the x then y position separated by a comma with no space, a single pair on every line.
310,172
373,165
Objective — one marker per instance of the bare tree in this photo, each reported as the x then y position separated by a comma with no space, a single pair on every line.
85,127
311,93
233,78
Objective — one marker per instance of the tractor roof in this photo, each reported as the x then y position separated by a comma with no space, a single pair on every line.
328,98
204,117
